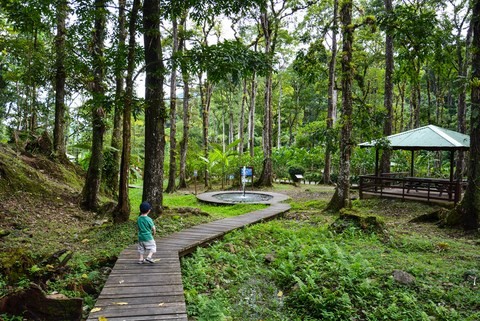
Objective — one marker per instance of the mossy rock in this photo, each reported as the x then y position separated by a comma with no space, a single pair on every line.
16,263
367,224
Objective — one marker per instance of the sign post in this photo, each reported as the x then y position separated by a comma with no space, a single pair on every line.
195,174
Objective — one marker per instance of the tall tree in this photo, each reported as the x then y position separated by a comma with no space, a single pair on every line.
241,126
155,111
91,188
59,147
172,171
119,68
251,115
388,94
341,198
467,212
279,114
206,90
186,109
269,30
463,60
251,110
332,96
272,14
122,211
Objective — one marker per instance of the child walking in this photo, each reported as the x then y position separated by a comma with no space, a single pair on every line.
146,231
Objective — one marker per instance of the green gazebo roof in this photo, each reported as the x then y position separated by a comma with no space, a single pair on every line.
426,138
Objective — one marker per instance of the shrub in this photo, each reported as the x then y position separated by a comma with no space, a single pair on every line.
293,171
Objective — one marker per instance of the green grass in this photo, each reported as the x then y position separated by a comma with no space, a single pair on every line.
96,248
176,200
317,274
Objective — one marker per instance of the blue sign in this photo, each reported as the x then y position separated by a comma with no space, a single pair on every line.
246,171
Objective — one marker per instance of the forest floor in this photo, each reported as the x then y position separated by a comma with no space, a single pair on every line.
40,216
40,198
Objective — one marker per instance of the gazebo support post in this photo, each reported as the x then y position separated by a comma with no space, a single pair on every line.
377,174
452,160
411,163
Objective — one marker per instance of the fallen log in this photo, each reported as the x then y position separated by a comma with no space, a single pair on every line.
33,304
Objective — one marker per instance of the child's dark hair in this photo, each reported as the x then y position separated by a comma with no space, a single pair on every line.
145,207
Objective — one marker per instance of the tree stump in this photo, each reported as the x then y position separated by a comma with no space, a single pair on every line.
33,304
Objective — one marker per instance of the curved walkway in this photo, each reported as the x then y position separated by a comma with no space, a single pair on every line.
155,291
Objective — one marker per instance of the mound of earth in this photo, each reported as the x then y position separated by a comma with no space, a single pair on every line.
34,188
40,217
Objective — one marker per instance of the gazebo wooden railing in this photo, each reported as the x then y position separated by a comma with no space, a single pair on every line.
396,185
428,138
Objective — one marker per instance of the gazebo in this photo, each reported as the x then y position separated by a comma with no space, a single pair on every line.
406,185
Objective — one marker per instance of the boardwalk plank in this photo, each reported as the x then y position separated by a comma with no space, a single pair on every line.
132,290
165,298
163,317
138,279
161,308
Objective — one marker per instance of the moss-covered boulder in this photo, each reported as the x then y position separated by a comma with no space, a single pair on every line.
368,224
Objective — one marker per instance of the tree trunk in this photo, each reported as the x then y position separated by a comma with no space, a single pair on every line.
31,117
155,111
429,98
462,98
468,211
231,128
186,112
279,114
332,98
388,95
241,126
122,211
94,174
401,90
266,177
116,142
172,171
416,95
251,117
205,97
59,147
341,198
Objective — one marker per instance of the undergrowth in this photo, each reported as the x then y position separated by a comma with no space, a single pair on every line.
294,268
93,250
301,270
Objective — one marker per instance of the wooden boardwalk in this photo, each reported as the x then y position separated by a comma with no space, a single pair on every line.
155,291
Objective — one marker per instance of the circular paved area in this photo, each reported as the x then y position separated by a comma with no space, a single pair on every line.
210,197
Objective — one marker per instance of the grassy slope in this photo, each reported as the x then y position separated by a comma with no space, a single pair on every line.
315,274
39,216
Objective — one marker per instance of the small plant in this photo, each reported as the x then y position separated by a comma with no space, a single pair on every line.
6,317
